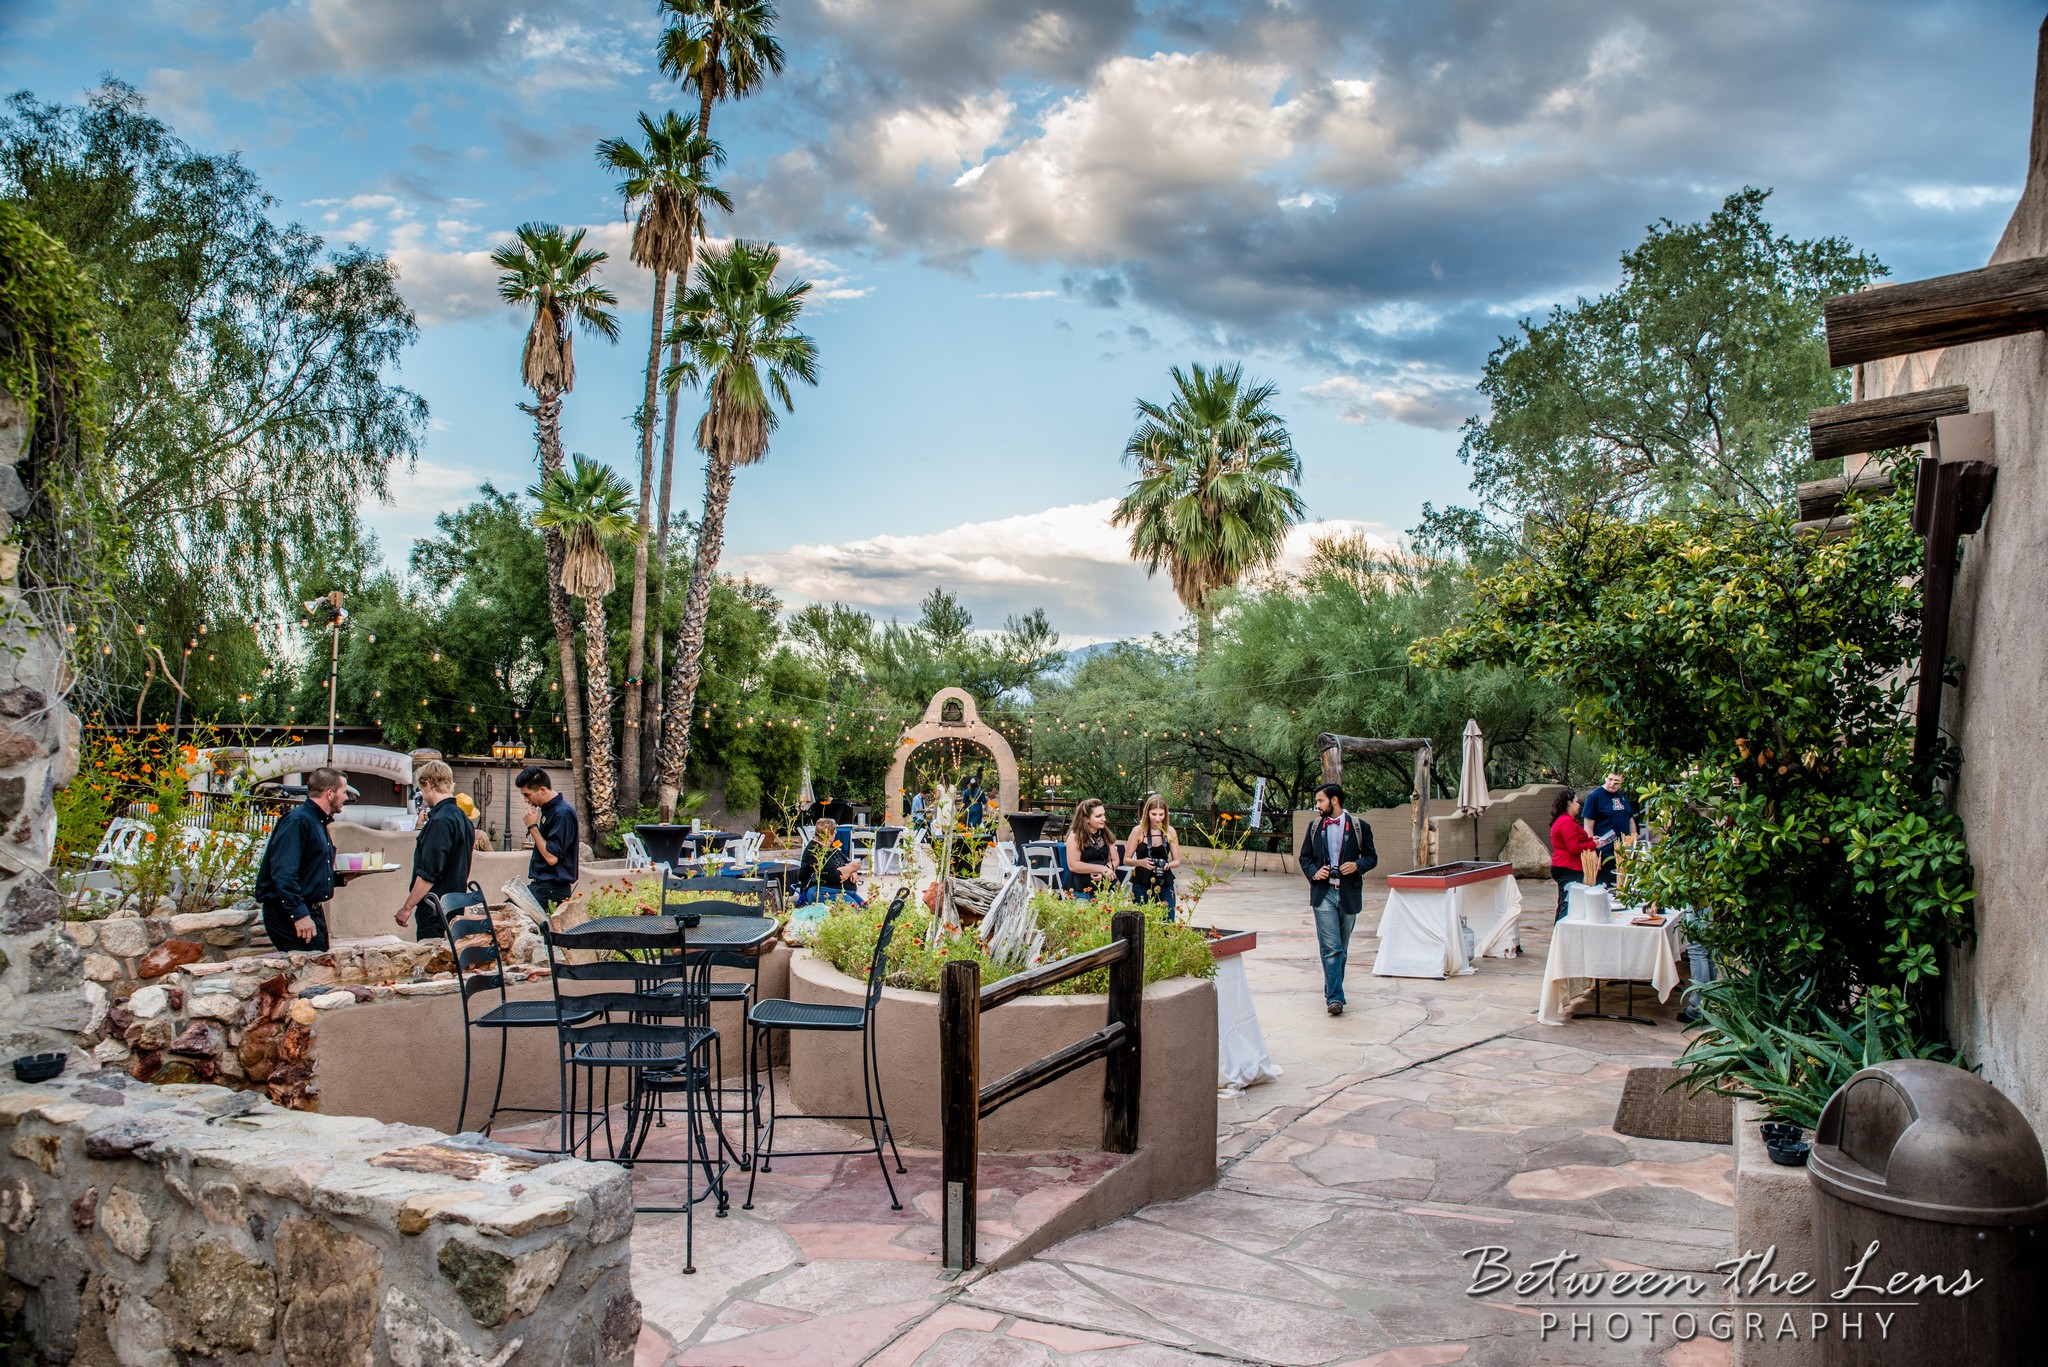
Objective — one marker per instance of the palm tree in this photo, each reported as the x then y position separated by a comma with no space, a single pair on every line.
665,178
587,509
547,270
737,331
724,50
1215,494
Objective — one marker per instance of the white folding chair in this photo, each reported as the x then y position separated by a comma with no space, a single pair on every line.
1042,865
636,854
121,845
747,849
888,847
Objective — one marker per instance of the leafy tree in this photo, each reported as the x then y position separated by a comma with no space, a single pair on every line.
589,507
547,271
1216,490
737,328
247,414
1752,680
1687,385
723,50
667,178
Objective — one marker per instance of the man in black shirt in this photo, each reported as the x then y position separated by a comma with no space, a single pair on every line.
440,854
552,870
295,877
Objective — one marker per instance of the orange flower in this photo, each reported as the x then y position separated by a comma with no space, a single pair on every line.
152,812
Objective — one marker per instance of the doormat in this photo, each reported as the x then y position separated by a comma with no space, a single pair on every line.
1651,1108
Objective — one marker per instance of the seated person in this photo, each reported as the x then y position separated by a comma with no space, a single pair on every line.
825,873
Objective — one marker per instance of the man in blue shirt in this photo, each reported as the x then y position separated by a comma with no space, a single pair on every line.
552,870
295,877
1609,814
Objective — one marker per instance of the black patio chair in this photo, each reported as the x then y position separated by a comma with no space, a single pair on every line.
777,1013
473,941
765,892
631,1030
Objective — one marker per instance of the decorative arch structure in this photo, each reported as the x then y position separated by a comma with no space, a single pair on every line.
967,726
257,763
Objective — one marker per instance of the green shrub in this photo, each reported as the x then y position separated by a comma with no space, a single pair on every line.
1783,1049
846,940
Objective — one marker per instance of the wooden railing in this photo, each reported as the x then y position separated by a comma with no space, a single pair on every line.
963,1101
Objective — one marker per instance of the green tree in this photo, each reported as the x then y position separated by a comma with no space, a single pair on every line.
589,507
666,178
737,329
549,272
1216,490
723,50
1752,680
1686,385
247,413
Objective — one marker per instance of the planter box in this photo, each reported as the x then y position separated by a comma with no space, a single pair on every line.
1224,943
1443,877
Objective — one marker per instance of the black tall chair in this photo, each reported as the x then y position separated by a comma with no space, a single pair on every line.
617,1017
473,941
708,899
777,1013
766,893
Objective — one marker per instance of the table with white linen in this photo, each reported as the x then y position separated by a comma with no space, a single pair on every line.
1241,1057
1585,952
1422,930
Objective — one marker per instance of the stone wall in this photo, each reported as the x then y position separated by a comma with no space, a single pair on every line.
175,999
1998,987
40,1002
149,1226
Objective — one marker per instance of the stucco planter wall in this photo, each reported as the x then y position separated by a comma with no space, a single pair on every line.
1177,1106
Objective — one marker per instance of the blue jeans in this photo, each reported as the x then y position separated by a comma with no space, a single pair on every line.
1333,938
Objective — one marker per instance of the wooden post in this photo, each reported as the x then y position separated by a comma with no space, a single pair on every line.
1925,315
1855,429
959,1108
1123,1070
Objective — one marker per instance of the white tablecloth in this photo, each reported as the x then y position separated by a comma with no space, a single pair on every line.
1422,929
1241,1057
1583,951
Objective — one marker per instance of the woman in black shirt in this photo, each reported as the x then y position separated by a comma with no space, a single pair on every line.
1153,852
825,873
1091,854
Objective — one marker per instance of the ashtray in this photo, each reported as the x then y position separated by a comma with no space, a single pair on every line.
1789,1153
1780,1131
38,1067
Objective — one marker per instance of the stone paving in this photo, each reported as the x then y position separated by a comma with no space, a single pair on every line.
1433,1117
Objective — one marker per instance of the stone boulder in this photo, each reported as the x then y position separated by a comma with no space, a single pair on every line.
1527,851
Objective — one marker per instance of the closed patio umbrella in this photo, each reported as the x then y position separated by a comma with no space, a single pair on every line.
806,799
1258,816
1472,795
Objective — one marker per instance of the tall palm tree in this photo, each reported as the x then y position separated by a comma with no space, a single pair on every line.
724,50
737,330
588,508
1217,489
666,179
547,270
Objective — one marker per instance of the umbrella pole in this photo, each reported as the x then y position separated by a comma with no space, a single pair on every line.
1475,838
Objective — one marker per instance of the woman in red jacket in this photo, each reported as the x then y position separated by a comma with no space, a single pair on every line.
1568,840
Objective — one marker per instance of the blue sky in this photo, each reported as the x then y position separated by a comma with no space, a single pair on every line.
1019,214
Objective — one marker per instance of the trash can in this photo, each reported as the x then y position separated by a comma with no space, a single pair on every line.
1930,1200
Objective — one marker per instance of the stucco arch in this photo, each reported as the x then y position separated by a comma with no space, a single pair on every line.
970,727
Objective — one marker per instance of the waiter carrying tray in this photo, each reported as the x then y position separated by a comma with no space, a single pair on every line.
296,876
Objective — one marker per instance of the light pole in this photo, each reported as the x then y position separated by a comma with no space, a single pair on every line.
331,607
508,753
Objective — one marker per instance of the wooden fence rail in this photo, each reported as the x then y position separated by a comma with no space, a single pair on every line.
963,1101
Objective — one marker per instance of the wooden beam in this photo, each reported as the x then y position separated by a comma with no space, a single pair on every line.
1949,310
959,1110
1054,1066
1851,429
1821,499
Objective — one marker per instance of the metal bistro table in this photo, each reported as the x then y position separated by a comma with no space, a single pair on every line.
703,936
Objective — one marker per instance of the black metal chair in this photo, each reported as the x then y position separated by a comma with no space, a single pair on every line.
766,892
473,941
628,1030
777,1013
715,993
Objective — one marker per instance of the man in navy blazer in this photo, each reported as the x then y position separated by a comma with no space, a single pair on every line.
1334,857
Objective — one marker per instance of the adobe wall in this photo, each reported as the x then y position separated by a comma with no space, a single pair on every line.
1997,1004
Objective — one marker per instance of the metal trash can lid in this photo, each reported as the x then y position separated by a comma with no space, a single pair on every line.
1929,1141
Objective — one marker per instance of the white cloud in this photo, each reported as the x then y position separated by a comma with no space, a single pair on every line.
1413,395
1024,294
1954,198
1069,560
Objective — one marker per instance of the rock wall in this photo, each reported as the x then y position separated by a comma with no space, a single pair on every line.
157,1225
40,977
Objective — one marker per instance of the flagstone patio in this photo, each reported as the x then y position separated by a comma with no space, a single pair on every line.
1431,1118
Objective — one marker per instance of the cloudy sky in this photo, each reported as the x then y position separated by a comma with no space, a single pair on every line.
1018,214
